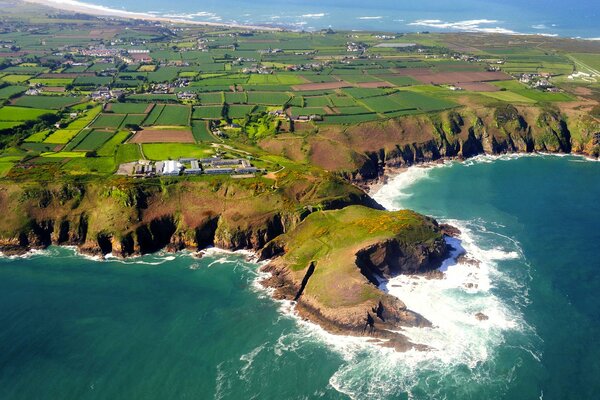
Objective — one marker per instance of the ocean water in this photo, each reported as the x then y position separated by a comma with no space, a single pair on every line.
175,327
549,17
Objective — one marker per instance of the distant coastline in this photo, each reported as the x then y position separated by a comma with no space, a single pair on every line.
311,20
101,11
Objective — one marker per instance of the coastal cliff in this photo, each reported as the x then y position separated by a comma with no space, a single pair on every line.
361,152
331,265
128,218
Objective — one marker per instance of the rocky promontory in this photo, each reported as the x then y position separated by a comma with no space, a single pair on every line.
331,265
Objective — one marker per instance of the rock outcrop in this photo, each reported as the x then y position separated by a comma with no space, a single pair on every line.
333,277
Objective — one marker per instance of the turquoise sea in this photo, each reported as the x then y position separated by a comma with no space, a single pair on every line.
550,17
174,327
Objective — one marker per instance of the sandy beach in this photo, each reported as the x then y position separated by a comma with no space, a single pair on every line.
101,11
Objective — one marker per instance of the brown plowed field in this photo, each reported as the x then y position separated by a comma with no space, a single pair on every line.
371,85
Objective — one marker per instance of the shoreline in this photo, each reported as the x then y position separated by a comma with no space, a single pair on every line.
101,11
104,11
373,186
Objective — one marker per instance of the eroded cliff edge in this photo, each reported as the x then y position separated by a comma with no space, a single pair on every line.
332,262
126,217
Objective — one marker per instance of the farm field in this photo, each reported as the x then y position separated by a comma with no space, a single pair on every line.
14,113
201,132
175,150
113,91
47,102
94,140
163,136
208,112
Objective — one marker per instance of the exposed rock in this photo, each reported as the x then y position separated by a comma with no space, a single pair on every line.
481,316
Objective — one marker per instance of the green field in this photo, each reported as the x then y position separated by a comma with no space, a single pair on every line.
174,115
508,97
61,136
129,108
275,79
109,148
13,113
127,153
15,78
134,119
268,98
162,151
108,121
94,140
51,81
9,124
92,81
201,132
208,112
239,111
10,91
48,102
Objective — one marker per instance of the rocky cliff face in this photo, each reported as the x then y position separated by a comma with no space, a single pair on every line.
133,218
465,133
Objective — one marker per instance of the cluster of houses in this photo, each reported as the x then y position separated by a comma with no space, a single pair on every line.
353,47
193,166
538,81
106,94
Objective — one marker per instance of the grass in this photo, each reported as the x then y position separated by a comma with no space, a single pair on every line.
13,113
63,154
9,124
127,153
129,108
135,119
201,132
274,79
108,121
331,239
10,91
109,148
508,97
5,167
37,137
212,98
15,78
208,112
92,81
363,93
174,115
239,111
163,151
52,81
268,98
94,140
61,136
48,102
316,101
